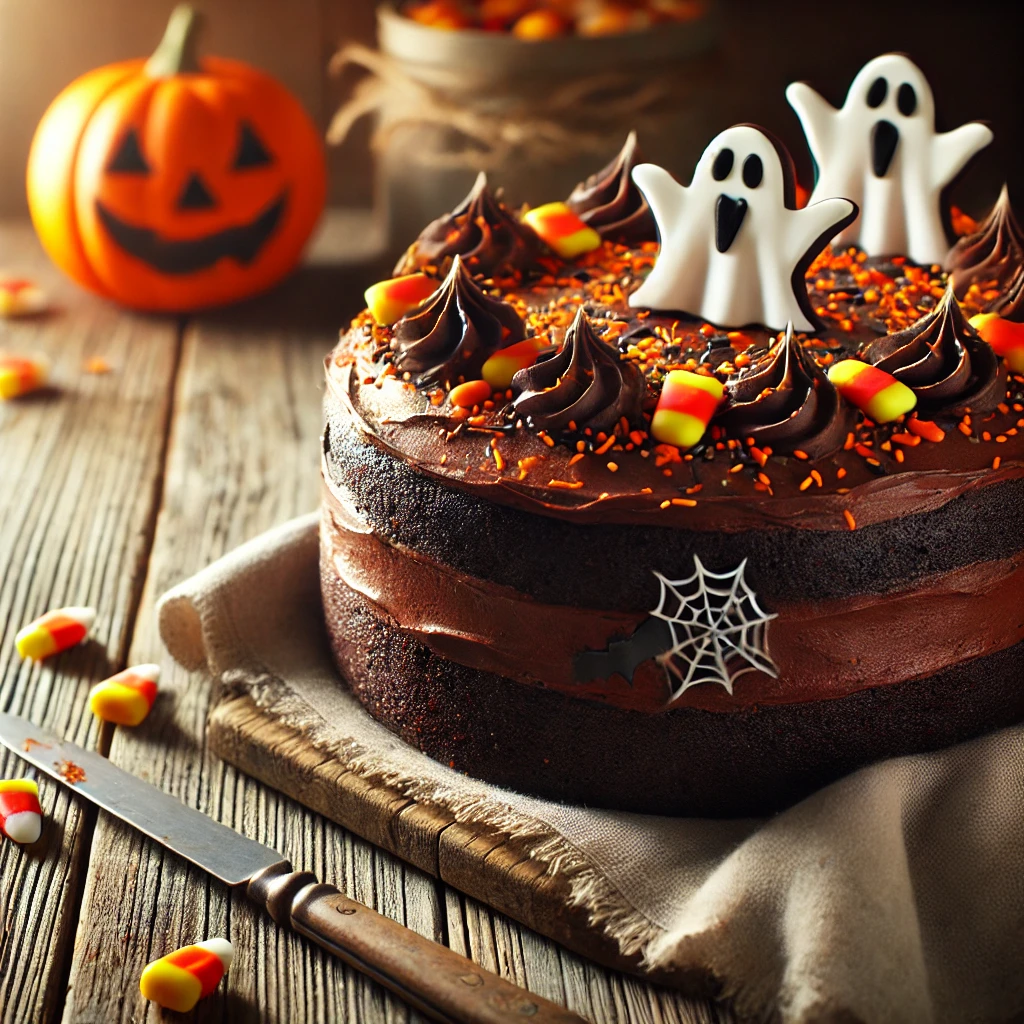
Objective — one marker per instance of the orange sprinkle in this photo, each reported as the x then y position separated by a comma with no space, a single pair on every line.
805,483
499,460
964,429
549,441
576,458
737,468
850,521
840,473
801,455
849,442
665,504
613,467
566,485
926,429
816,477
996,462
899,455
604,447
758,456
687,502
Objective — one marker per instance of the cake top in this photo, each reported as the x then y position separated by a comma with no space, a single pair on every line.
739,371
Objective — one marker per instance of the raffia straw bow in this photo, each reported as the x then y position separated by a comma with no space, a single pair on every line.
498,127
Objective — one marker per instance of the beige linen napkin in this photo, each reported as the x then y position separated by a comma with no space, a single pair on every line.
893,895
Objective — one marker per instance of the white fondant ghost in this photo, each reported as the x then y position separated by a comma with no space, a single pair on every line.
732,252
881,150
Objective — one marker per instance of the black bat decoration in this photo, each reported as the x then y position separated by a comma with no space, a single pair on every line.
652,637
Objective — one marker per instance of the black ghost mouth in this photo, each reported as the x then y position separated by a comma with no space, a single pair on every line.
729,214
885,137
241,243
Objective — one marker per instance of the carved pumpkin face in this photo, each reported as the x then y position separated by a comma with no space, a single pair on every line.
172,193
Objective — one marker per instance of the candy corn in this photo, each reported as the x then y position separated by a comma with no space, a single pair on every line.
1005,336
20,375
473,392
499,370
21,817
20,297
562,230
54,632
179,980
127,697
684,410
389,301
879,395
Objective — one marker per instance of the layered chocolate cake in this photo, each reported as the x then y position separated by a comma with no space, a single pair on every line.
654,500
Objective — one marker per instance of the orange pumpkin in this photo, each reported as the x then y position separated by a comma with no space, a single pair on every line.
175,183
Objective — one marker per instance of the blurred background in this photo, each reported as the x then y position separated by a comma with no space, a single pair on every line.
733,68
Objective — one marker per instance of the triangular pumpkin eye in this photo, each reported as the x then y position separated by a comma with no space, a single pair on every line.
251,152
128,158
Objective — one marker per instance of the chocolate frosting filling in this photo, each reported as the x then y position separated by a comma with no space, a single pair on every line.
482,231
992,254
785,400
610,202
585,383
1010,303
942,359
455,331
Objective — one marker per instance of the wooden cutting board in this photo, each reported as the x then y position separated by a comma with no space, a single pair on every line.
480,862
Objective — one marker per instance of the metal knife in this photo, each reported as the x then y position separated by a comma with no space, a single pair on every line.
434,979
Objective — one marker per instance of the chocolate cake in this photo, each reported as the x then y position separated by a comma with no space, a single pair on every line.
534,573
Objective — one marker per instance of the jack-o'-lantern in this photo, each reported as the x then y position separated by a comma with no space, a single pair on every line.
176,183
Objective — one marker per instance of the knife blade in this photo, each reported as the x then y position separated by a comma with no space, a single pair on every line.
434,979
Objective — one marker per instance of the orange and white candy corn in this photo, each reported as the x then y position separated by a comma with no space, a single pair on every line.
500,368
54,632
390,300
879,395
21,817
125,698
179,980
562,230
21,375
1005,336
20,297
684,410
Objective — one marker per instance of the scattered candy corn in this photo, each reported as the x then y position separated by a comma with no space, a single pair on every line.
684,410
54,632
499,370
879,395
542,24
20,297
20,375
562,230
127,697
473,392
179,980
21,817
389,301
1005,336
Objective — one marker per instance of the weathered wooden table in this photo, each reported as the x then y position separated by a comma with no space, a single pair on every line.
112,488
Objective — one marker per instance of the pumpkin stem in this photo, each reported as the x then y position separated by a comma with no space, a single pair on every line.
176,54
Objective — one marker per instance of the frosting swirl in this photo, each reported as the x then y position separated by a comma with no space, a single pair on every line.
785,400
482,231
585,383
942,360
993,253
1010,301
453,333
610,202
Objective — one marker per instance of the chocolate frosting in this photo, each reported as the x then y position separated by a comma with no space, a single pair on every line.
482,231
786,401
942,359
1010,303
993,253
454,332
585,383
610,202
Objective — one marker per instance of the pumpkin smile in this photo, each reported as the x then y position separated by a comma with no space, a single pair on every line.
241,243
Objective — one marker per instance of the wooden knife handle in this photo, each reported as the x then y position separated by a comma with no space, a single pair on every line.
434,979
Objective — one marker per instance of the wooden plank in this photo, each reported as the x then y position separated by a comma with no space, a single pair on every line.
508,899
243,457
80,469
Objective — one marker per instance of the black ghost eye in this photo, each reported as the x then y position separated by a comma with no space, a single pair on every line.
251,152
753,171
906,99
128,158
723,165
877,93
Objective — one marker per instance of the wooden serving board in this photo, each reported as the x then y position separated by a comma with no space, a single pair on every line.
480,862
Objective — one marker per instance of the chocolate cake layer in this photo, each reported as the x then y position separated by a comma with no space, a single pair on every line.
611,565
685,761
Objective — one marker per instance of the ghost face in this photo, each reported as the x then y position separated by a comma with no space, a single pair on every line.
743,167
891,98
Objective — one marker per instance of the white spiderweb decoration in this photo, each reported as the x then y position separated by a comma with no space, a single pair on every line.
715,619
